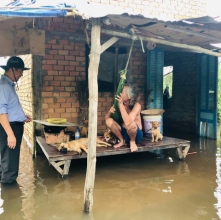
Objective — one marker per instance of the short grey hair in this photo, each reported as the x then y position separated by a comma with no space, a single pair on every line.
132,94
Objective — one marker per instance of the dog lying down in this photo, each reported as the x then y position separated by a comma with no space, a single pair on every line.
82,143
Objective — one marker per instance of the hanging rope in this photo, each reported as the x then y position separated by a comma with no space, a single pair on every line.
123,75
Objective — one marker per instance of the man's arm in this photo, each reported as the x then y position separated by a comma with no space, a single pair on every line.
129,118
5,124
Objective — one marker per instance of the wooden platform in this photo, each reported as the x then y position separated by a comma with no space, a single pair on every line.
58,159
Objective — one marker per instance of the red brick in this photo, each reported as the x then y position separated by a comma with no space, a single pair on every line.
60,110
51,62
56,105
58,57
65,94
54,24
66,115
69,57
59,29
58,19
75,53
56,46
80,58
58,78
65,105
64,25
57,67
48,88
53,52
74,73
52,72
54,115
63,52
48,57
68,47
45,94
47,67
61,100
63,42
52,41
48,78
69,68
48,46
48,100
80,68
69,20
65,83
64,73
63,62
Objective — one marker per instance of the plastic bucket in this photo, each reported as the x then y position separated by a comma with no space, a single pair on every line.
148,126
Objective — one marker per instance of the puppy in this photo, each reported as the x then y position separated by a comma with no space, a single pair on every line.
84,129
82,143
155,133
110,137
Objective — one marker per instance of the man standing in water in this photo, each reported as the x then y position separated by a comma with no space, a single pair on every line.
130,131
12,119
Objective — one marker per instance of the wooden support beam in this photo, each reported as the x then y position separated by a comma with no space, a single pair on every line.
109,43
93,104
164,42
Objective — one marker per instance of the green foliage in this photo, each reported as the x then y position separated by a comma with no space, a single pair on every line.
168,81
219,94
117,115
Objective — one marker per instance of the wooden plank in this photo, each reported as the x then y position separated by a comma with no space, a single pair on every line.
93,103
164,42
53,154
109,43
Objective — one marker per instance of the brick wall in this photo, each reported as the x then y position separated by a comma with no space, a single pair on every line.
64,64
25,96
162,9
182,111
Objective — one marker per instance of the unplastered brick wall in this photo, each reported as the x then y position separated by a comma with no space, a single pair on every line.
181,113
162,9
64,64
25,95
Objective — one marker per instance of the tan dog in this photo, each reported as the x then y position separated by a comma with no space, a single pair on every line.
156,135
84,129
110,137
82,143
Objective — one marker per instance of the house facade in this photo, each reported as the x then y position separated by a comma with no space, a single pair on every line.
50,88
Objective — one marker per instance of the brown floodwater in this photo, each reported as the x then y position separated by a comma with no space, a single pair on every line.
135,186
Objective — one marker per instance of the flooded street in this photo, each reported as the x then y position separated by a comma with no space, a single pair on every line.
135,186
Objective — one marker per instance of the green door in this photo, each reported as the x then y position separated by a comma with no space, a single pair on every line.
207,105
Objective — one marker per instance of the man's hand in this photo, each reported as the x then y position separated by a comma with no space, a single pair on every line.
111,111
28,118
11,141
119,99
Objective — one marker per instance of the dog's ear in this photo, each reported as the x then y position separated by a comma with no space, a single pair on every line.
159,123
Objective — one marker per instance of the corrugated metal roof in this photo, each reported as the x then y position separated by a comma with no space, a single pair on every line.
200,32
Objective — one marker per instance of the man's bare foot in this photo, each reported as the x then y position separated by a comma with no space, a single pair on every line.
133,146
120,144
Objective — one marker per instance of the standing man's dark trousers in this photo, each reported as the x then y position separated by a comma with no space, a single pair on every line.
10,157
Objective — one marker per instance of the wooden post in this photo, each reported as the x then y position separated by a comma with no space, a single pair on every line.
93,103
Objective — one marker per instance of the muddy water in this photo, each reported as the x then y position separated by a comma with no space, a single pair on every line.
137,186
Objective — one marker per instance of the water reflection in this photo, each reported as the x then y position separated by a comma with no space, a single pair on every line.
134,186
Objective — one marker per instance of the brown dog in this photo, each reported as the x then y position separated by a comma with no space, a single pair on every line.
82,143
84,129
155,133
110,137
